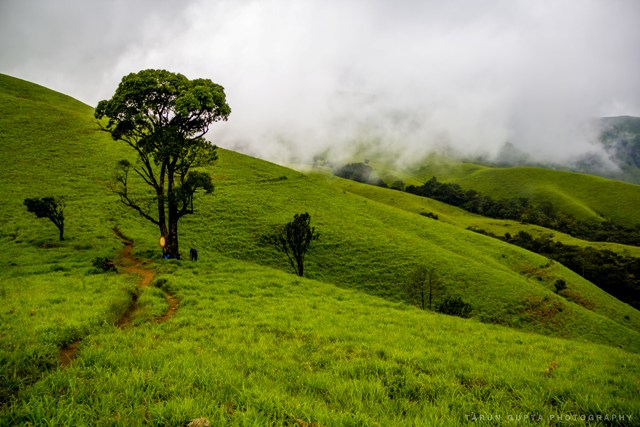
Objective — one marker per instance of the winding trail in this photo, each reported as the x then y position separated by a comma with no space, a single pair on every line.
131,265
134,265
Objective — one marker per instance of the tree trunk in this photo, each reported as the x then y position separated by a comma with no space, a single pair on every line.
162,219
172,239
61,228
301,268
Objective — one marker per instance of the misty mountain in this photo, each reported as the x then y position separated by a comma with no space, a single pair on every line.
620,137
616,157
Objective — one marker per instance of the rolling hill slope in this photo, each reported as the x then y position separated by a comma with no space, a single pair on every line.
255,344
461,218
586,197
364,245
373,247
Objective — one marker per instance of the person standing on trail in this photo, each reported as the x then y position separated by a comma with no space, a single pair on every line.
194,254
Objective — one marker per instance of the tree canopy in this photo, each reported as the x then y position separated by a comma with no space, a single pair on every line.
48,207
163,117
293,239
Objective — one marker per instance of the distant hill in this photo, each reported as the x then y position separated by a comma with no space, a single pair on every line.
584,196
621,139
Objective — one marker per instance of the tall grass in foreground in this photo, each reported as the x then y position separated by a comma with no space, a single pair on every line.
40,314
254,346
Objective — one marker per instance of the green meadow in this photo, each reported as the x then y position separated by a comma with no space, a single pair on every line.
461,218
586,197
252,344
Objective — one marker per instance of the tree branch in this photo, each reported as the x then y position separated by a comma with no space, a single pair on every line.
124,198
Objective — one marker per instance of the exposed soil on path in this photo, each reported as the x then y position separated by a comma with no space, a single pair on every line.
131,265
134,266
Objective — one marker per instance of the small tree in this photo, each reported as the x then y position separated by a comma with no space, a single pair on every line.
48,207
294,239
422,285
560,285
455,306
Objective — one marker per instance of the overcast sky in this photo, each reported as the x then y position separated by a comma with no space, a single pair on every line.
312,75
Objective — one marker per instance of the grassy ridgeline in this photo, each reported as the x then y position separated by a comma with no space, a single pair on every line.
252,343
461,218
586,197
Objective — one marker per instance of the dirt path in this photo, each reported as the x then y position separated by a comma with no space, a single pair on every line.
130,265
133,265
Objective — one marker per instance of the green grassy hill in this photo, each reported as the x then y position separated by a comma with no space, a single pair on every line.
583,196
464,219
252,344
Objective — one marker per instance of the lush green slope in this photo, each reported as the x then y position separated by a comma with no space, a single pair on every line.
252,344
373,247
586,197
461,218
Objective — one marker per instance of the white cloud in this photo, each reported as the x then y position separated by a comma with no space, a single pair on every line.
305,76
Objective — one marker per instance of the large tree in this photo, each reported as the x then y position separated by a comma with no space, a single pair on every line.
164,116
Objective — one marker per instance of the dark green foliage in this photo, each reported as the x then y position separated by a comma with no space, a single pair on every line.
521,209
616,274
454,306
422,284
104,264
359,172
48,207
429,215
398,185
560,285
293,239
163,117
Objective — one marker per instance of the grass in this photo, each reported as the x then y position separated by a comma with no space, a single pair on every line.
253,344
256,346
461,218
44,312
373,247
587,197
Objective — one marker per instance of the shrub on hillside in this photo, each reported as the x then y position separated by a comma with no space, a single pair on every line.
454,306
48,207
104,264
293,239
429,215
398,185
359,172
421,286
560,285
